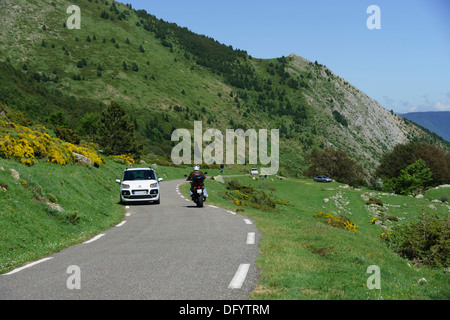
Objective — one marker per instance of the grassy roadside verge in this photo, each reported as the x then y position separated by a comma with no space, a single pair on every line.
304,258
84,202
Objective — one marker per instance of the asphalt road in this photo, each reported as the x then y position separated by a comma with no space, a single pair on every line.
171,251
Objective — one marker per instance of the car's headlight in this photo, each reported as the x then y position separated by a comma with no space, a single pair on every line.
154,185
125,186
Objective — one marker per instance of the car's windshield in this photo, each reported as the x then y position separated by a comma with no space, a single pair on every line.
139,175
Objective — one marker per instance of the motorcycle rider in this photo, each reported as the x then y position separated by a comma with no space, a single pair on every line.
196,172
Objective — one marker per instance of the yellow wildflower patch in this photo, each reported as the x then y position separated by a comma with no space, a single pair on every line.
25,145
126,158
339,222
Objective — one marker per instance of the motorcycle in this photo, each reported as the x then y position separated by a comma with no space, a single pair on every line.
198,192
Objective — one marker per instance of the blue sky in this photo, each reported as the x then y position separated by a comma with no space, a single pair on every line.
405,65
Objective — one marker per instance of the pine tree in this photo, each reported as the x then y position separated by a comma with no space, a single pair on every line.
116,132
414,177
88,125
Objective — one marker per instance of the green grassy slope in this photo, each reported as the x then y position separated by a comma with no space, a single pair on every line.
303,258
30,228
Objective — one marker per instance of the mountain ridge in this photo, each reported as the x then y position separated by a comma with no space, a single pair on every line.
168,77
435,121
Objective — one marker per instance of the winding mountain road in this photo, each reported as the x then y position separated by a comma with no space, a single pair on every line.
171,251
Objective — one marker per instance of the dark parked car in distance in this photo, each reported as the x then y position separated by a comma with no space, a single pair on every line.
322,179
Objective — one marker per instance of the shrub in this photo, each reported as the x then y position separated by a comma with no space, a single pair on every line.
58,119
52,198
19,117
72,217
25,145
123,158
18,148
340,118
67,135
375,201
426,241
338,222
284,202
244,195
414,177
392,218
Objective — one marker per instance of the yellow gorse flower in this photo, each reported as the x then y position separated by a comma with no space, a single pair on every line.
25,145
339,222
127,158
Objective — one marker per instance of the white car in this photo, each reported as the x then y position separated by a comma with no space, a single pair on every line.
139,184
253,171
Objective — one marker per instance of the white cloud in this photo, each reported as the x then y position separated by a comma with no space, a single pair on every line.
439,106
425,104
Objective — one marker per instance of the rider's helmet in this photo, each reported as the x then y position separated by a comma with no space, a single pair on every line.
196,167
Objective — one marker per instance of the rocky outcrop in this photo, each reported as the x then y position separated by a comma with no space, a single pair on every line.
81,159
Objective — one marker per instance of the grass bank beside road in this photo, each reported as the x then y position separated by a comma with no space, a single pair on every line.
50,207
305,256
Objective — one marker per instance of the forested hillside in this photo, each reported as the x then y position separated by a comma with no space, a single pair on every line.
167,77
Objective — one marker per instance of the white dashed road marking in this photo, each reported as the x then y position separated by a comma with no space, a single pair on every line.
121,224
94,238
251,238
239,277
28,266
247,221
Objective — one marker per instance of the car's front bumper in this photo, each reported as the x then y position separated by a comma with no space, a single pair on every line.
139,195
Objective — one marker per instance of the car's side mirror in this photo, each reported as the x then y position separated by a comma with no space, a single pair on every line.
206,172
160,179
118,180
185,175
